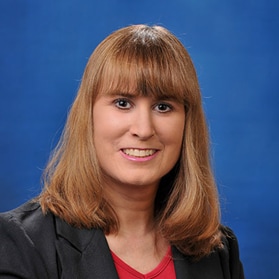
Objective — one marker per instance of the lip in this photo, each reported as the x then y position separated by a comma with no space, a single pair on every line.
139,154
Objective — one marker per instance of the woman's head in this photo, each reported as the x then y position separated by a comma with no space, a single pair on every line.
148,61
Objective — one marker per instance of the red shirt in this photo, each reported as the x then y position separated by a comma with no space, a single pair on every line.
164,270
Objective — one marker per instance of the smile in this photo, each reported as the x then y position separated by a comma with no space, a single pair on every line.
140,153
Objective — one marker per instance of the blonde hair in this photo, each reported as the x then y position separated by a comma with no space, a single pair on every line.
186,209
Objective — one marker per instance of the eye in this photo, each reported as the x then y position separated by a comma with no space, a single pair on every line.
163,107
122,103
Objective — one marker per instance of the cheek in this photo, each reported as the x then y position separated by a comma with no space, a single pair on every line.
107,128
101,126
173,131
174,138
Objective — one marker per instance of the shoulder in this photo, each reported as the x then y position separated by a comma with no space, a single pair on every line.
25,232
229,254
20,213
230,243
222,263
28,219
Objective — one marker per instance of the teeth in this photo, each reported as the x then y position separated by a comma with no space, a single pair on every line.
139,152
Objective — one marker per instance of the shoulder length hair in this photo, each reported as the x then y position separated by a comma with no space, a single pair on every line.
186,207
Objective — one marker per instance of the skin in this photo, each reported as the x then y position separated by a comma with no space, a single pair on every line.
138,140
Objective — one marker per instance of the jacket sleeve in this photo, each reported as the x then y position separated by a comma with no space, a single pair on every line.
229,256
18,255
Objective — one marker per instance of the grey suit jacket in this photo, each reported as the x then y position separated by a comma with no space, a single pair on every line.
33,245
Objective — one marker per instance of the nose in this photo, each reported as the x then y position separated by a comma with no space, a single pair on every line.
142,124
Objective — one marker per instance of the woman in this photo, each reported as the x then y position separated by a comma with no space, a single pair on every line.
128,192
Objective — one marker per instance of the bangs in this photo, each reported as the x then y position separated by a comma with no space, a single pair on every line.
144,70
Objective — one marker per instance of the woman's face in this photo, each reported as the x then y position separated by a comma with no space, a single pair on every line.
137,139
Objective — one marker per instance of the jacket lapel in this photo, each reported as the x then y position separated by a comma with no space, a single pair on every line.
83,253
207,268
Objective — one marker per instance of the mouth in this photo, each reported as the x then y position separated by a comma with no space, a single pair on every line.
139,153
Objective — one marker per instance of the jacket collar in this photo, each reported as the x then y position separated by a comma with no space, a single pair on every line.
83,253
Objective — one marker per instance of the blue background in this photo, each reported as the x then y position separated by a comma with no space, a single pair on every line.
234,45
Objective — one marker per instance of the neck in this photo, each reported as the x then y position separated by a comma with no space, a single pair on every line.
137,243
134,206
